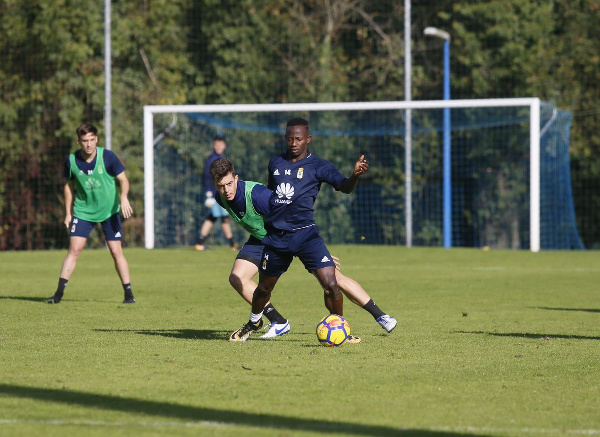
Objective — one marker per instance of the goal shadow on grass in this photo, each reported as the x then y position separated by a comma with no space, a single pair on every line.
210,416
530,335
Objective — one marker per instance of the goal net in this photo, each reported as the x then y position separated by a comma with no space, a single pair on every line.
506,182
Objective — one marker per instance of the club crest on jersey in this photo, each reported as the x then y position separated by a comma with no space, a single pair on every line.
300,173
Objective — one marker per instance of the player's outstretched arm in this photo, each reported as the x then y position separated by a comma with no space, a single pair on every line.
360,168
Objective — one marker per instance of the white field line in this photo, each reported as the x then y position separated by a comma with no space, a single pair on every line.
348,427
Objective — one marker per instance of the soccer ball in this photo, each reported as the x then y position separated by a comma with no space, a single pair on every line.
333,330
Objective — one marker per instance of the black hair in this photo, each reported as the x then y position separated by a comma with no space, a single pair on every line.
297,121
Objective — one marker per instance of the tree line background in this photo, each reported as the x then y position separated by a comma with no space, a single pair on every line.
269,51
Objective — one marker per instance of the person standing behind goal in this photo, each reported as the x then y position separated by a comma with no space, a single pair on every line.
90,198
215,211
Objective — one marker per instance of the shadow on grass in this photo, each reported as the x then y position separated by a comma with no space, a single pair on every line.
45,299
530,335
192,413
185,334
188,334
28,299
586,310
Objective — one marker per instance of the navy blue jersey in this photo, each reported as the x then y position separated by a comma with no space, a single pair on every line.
260,199
295,186
113,166
207,182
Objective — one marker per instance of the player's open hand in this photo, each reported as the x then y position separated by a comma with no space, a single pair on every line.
361,166
126,208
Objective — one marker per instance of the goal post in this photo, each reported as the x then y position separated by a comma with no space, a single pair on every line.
207,114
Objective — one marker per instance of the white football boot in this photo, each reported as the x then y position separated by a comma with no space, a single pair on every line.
387,322
277,329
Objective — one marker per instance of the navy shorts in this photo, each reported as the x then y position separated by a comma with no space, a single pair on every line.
111,228
251,251
306,244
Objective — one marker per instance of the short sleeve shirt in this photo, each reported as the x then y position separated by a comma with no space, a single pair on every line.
295,186
113,165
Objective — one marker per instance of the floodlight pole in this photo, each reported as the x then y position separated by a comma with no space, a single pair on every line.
107,78
432,31
408,124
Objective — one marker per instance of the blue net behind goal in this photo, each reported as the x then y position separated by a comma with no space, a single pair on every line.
490,174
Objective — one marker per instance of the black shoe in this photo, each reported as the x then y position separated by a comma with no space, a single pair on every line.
129,299
54,299
244,332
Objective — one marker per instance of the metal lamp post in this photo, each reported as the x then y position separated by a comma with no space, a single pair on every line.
432,31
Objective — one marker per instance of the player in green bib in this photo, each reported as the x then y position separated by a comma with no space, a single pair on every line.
91,197
248,203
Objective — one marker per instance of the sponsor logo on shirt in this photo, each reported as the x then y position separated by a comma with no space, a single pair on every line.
92,184
284,192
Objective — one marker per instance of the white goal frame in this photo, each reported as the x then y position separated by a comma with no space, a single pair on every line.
533,103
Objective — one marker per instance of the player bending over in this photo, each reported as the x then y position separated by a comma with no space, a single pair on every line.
248,203
295,177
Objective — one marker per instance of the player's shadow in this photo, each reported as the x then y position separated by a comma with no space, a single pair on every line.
45,300
585,310
25,298
531,335
143,409
184,334
191,334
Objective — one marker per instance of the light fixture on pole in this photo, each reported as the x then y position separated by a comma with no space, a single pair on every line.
432,31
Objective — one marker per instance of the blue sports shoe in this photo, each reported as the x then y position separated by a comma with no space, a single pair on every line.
277,329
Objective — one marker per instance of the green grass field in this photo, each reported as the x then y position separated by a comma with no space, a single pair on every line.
488,343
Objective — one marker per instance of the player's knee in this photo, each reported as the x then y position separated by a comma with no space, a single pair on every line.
262,292
74,252
330,285
236,282
116,251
